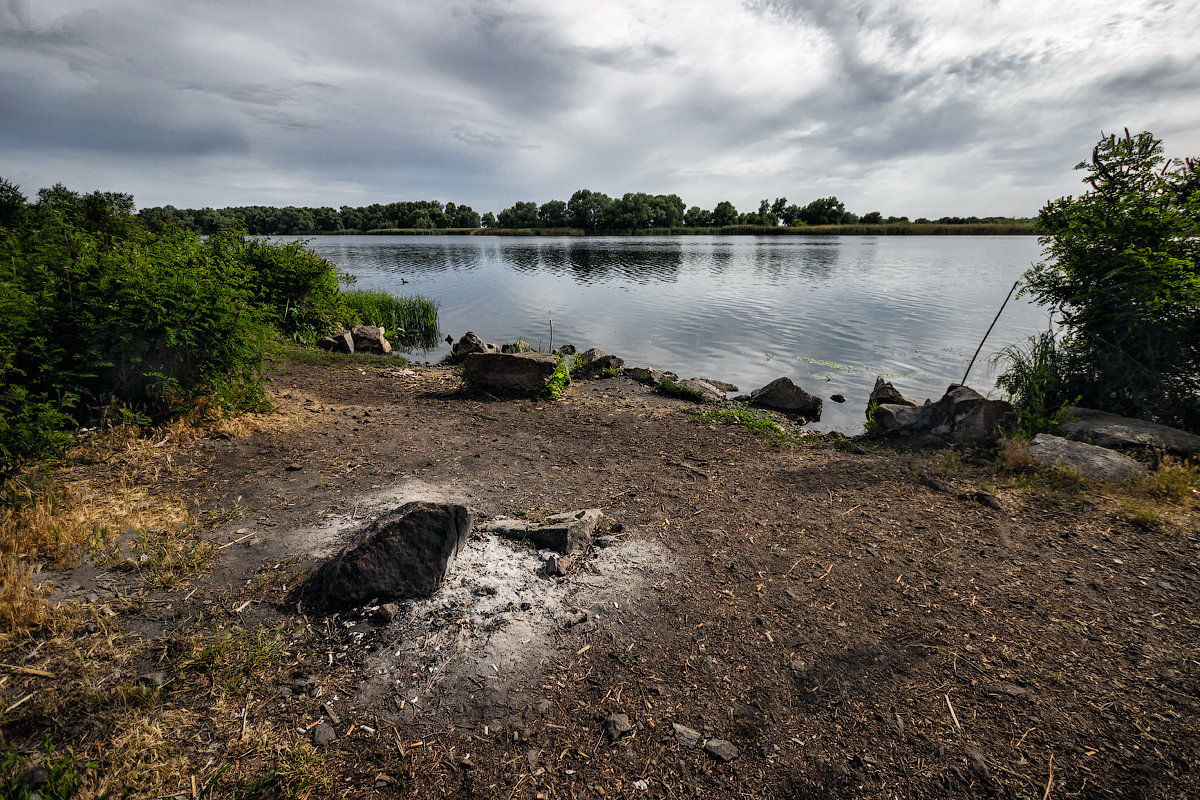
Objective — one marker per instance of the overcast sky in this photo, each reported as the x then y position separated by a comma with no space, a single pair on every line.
943,107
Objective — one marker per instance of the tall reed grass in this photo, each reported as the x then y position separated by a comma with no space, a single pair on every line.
409,321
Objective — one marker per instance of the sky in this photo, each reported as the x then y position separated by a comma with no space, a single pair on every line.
937,108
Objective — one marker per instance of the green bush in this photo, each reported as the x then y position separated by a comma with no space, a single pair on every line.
1120,272
1034,382
99,312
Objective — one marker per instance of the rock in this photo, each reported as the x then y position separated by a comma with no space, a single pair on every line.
323,735
155,679
1123,433
885,392
566,533
33,777
1093,461
370,339
650,377
961,415
782,394
721,750
722,386
838,398
514,373
685,736
468,344
596,363
388,612
405,554
616,726
709,393
338,343
519,346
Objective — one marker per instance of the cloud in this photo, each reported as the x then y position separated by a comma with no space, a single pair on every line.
931,109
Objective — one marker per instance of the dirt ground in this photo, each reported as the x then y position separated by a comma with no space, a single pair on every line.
850,629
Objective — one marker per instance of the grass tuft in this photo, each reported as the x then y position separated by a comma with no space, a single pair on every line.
409,322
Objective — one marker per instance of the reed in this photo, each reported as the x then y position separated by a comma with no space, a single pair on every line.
408,321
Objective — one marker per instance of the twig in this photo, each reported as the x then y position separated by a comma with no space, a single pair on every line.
41,673
235,541
19,702
989,331
823,574
1050,780
953,716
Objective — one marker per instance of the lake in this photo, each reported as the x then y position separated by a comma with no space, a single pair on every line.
831,313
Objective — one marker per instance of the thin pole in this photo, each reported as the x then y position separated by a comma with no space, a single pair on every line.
989,331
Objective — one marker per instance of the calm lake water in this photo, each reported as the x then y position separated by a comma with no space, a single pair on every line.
831,313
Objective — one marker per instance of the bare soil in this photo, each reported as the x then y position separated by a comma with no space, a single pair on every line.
851,630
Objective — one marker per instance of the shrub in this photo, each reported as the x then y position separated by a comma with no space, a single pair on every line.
1034,383
1120,271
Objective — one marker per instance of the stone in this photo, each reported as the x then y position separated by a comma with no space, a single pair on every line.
721,750
370,339
405,554
710,393
510,373
617,725
155,679
961,415
519,346
723,386
566,533
468,344
1123,433
784,395
1092,461
323,735
338,343
650,377
596,363
388,612
685,736
885,392
838,398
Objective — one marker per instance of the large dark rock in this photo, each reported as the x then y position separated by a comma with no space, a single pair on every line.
510,373
595,363
405,554
1091,460
783,395
961,415
468,344
370,339
1122,433
885,393
339,343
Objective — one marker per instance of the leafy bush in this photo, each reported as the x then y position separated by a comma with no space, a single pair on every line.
1034,382
1120,271
98,312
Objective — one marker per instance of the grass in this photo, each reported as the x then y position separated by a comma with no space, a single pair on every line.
327,358
752,421
408,321
559,381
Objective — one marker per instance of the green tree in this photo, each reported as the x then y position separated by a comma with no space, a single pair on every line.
724,214
697,217
824,211
872,218
519,215
1119,271
587,208
553,214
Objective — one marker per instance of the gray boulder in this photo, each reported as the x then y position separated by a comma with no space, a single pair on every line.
1093,461
708,392
510,373
783,395
648,375
565,533
370,339
468,344
885,393
405,554
339,343
961,415
595,363
1123,433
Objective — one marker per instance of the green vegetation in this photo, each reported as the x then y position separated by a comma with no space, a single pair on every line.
1032,380
63,777
560,380
104,315
409,322
1120,273
587,212
752,421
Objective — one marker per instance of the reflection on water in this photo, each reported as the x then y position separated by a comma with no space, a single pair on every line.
831,313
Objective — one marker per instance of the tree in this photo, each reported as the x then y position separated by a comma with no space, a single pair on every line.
825,211
553,214
697,217
587,208
724,214
519,215
1120,272
488,220
872,218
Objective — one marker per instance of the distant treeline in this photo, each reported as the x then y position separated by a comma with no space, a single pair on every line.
586,211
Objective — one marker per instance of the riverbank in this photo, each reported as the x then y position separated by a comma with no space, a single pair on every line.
846,626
